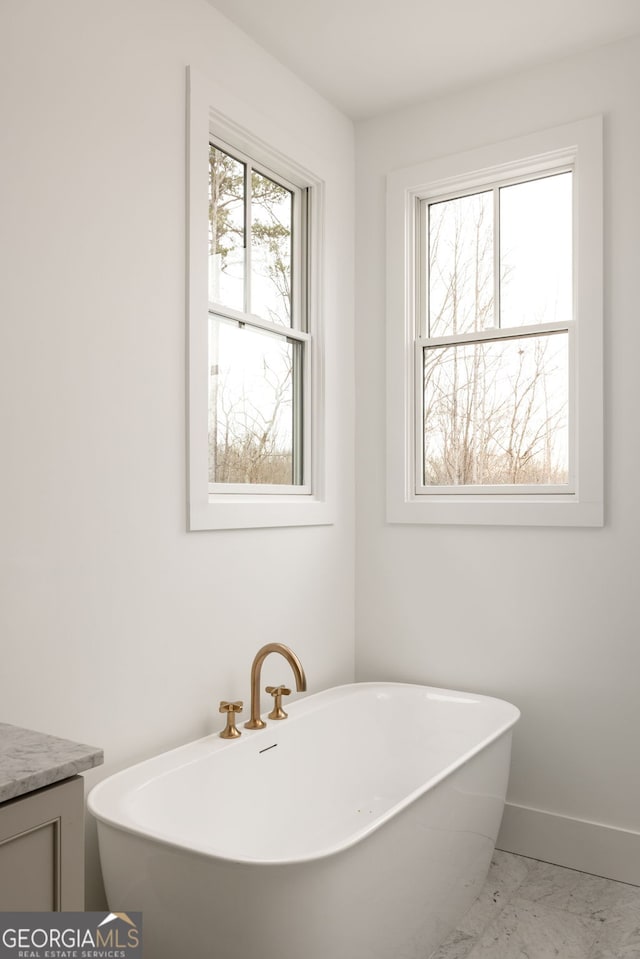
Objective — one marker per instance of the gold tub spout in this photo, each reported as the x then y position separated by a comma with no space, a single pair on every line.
301,680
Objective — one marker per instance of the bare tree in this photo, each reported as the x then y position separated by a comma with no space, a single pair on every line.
250,448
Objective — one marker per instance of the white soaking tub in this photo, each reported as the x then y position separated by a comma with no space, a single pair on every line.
360,828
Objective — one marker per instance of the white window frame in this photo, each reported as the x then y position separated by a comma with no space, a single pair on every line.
576,146
232,506
298,332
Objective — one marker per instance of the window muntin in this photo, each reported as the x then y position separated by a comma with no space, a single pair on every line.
259,347
493,406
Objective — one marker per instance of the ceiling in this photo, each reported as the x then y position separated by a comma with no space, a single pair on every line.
368,57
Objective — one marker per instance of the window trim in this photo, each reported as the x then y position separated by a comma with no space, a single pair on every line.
284,506
578,146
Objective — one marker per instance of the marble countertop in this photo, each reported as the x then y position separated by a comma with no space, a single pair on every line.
30,760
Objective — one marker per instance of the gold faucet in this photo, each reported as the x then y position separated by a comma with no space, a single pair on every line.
301,680
278,692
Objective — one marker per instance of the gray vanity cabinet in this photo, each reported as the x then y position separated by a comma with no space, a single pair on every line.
42,820
42,849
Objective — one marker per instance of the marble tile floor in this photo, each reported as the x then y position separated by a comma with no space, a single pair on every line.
533,910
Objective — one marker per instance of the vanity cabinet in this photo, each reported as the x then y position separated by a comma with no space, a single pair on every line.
42,820
42,849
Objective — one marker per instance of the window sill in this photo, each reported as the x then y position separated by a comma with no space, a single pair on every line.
242,511
497,510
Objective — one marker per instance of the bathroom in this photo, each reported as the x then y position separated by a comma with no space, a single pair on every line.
123,629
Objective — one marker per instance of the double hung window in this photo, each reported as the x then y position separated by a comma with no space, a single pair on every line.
496,317
258,338
494,334
257,359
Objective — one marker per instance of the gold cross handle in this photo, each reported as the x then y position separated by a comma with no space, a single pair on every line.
278,692
230,731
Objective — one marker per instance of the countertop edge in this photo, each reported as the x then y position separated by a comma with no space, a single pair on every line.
30,760
37,780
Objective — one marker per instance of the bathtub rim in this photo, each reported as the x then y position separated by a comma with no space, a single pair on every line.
299,706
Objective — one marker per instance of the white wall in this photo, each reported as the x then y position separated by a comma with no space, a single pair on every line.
546,618
119,628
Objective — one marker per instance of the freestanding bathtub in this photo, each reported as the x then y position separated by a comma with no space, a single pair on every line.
360,828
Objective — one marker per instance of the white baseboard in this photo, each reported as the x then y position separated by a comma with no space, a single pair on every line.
587,846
